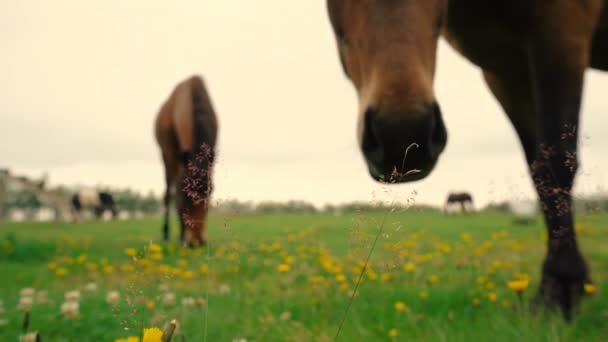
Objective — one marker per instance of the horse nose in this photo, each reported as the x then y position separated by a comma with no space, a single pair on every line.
402,148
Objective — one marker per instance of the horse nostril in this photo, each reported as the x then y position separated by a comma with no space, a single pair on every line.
370,141
439,134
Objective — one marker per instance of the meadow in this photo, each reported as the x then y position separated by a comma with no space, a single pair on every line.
291,277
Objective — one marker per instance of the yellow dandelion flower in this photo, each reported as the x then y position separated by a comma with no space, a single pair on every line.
127,268
188,275
91,267
589,288
289,259
386,276
476,302
131,252
109,269
393,333
340,278
60,271
283,268
156,256
203,268
409,267
152,335
490,285
433,279
151,305
400,306
424,295
155,248
81,259
52,266
481,280
492,297
518,286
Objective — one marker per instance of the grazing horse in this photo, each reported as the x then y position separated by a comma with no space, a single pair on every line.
533,55
91,199
463,199
186,130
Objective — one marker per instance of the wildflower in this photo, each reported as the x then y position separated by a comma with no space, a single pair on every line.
128,339
70,309
409,267
81,258
25,303
200,302
52,266
476,302
169,298
239,340
283,268
156,256
481,280
30,337
155,248
393,333
91,267
285,316
60,271
163,287
131,252
113,297
224,289
492,297
400,306
432,279
188,301
340,278
90,287
27,292
424,295
386,276
152,335
589,288
127,268
203,268
289,259
518,286
108,269
150,305
72,296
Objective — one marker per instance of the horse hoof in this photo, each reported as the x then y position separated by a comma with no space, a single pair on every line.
562,290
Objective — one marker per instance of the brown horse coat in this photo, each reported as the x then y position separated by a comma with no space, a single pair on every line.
533,55
186,131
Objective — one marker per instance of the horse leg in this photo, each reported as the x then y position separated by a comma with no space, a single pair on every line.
170,172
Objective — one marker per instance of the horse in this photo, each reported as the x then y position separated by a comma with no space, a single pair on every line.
463,199
533,55
97,201
186,130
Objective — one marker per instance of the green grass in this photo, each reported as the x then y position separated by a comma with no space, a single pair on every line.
241,257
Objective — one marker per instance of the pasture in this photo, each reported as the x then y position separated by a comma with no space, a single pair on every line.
290,277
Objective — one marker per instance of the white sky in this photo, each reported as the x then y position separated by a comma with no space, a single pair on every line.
82,81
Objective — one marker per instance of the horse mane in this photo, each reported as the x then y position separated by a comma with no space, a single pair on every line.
203,119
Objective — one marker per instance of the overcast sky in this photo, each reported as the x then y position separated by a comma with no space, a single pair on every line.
82,81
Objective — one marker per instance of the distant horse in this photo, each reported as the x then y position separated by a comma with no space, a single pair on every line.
533,54
97,201
186,130
464,201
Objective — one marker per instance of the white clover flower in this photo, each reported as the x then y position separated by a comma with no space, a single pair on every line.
285,316
90,287
188,301
169,298
30,337
224,289
113,297
25,303
27,292
70,309
72,296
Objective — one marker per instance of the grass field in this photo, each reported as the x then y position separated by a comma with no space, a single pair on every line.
290,278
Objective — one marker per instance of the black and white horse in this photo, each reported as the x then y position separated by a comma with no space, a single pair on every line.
462,200
97,201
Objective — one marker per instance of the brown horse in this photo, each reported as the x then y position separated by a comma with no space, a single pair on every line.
186,130
533,54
